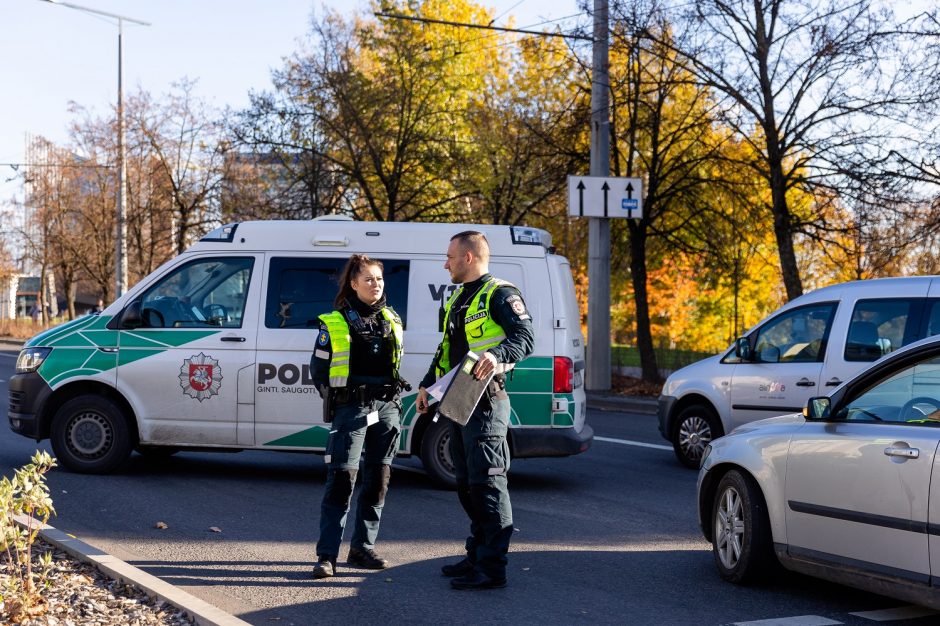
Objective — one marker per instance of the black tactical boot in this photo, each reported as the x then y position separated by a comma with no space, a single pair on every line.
366,559
461,568
325,568
477,580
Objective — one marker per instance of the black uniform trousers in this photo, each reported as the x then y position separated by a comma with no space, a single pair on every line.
481,461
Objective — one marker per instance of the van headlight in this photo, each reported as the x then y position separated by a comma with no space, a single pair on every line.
30,359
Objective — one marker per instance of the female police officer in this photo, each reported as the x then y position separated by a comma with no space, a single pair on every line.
355,366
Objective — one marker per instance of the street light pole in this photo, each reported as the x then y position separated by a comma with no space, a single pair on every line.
120,260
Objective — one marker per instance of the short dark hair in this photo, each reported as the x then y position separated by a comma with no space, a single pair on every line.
352,269
475,242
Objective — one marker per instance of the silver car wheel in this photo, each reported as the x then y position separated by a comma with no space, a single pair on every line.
694,435
729,528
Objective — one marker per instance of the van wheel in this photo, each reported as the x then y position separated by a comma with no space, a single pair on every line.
741,537
90,435
695,427
435,454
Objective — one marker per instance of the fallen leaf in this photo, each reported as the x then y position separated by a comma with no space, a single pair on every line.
215,529
162,525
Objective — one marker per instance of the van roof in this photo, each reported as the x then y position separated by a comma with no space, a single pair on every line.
882,286
337,233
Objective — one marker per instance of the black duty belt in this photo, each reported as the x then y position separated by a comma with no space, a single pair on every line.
364,394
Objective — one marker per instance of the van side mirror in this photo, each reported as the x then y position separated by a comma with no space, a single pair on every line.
742,349
130,317
817,408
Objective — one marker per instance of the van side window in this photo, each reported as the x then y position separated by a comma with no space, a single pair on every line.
302,288
797,336
203,293
878,327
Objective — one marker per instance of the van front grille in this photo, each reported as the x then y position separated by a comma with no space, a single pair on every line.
16,401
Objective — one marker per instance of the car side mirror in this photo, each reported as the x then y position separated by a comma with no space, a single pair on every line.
130,317
742,349
817,408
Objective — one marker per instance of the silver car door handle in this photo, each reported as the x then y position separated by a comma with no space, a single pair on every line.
805,382
237,339
833,382
907,453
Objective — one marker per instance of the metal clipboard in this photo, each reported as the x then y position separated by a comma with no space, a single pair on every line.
464,391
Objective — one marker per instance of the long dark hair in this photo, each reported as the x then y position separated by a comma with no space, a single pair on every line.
353,268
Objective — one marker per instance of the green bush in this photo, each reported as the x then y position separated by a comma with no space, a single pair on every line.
21,587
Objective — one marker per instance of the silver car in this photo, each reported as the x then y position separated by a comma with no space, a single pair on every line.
849,491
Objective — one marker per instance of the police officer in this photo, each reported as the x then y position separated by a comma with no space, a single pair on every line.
355,366
488,316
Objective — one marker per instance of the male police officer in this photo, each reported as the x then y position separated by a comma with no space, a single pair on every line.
488,316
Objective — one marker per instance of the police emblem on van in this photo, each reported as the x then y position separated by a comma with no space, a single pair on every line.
200,377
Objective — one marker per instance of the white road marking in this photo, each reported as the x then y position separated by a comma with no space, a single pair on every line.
627,442
9,356
902,612
800,620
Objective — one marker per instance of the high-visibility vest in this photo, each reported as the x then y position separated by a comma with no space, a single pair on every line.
341,340
481,330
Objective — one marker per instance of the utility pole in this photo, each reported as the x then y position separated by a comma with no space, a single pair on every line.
598,347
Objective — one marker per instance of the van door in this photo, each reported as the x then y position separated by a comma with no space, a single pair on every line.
788,355
188,367
288,409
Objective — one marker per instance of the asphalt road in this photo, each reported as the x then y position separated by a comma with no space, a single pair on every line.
609,536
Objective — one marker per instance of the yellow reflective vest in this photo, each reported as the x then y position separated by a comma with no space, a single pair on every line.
481,331
341,340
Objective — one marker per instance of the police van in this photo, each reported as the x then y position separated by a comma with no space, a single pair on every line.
212,350
806,348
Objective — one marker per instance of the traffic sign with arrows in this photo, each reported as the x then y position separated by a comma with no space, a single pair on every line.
605,196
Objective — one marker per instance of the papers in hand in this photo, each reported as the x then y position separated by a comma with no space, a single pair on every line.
439,388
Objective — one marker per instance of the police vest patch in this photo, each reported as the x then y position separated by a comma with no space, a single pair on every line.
324,337
476,316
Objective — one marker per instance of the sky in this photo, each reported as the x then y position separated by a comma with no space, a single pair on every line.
51,55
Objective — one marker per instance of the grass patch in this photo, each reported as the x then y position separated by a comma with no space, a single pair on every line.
629,356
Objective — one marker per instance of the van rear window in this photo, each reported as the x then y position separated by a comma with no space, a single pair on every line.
301,288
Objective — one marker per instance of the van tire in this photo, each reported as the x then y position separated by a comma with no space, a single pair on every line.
90,435
695,427
435,454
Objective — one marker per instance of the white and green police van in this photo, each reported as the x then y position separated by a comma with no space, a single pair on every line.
212,350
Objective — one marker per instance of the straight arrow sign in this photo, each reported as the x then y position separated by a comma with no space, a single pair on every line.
605,196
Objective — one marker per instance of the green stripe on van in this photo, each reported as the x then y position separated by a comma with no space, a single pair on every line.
315,437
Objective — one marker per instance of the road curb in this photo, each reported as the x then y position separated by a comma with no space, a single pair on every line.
201,611
631,404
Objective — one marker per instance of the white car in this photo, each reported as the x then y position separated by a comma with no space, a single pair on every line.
849,491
